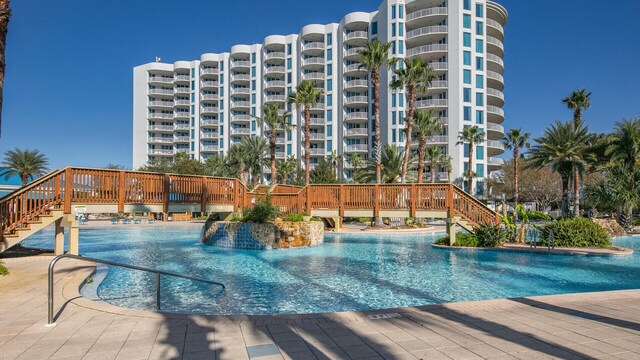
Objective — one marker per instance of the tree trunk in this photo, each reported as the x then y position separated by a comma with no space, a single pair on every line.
433,173
516,188
5,16
375,78
470,170
577,117
25,179
307,142
421,150
565,195
576,193
407,148
272,145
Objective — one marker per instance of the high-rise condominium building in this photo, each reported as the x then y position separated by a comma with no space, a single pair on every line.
203,107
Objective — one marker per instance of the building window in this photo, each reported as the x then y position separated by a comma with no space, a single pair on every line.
289,77
329,39
329,130
479,117
393,100
393,135
479,63
329,70
467,95
480,153
400,47
467,113
467,4
329,116
253,71
393,118
393,48
253,84
329,145
253,99
479,28
329,84
401,100
374,28
393,30
466,76
479,46
401,11
479,99
289,63
465,151
329,100
288,149
393,11
479,10
466,21
479,82
466,39
480,171
288,49
401,29
467,57
329,54
253,58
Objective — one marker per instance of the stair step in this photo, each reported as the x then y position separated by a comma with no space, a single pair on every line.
12,235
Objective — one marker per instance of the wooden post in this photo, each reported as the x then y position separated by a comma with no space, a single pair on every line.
58,247
308,190
413,200
376,200
122,191
68,189
341,202
166,194
203,195
74,238
450,206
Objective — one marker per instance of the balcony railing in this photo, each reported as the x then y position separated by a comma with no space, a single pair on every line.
316,151
427,12
357,83
436,29
182,90
357,35
241,117
313,61
210,97
240,63
495,110
162,140
160,116
208,135
207,148
437,84
181,139
210,71
160,91
182,77
495,127
274,55
210,84
431,103
182,102
240,131
241,77
354,67
210,109
495,144
240,90
161,152
493,41
357,132
317,107
313,76
495,161
161,79
313,46
161,103
276,98
356,100
182,127
275,83
353,51
495,93
425,49
496,25
235,104
357,148
210,122
317,121
496,59
161,127
495,76
314,136
357,116
439,65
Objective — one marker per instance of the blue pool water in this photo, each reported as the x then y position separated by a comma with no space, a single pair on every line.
348,272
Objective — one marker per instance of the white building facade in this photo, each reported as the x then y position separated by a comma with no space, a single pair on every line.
205,106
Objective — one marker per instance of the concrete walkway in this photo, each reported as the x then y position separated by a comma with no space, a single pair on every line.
578,326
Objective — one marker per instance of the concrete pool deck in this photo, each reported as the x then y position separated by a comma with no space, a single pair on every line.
602,325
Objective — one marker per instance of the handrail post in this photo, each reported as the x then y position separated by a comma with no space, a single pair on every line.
167,192
450,200
121,191
203,195
68,189
341,201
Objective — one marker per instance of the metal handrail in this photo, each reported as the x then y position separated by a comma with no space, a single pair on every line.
111,263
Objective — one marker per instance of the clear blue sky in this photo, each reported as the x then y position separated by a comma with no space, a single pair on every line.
68,89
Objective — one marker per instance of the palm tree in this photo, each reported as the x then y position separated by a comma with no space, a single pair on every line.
356,161
255,150
237,163
434,157
564,148
578,101
471,135
334,158
392,160
274,122
287,168
415,76
5,16
28,164
625,143
373,57
305,96
427,123
447,164
515,139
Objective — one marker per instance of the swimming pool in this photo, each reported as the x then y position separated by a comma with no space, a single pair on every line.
348,272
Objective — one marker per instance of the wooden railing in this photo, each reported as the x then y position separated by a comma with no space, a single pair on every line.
119,187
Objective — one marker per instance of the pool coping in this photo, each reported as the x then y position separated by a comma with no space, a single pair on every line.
544,250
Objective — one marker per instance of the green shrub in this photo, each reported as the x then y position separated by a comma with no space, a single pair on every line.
636,221
490,235
262,212
462,240
361,219
3,269
576,232
295,217
537,215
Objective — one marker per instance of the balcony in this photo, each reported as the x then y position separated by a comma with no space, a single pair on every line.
209,135
353,52
168,104
210,109
436,11
280,140
494,144
182,90
317,121
429,51
160,140
210,97
434,32
357,116
493,161
163,128
355,69
495,97
161,152
495,46
240,91
495,63
210,71
209,148
357,84
435,139
182,78
275,84
161,79
357,132
317,107
211,122
240,104
357,148
240,131
160,91
495,131
439,84
359,36
316,137
240,64
210,84
313,46
275,70
351,100
313,76
280,154
312,61
439,66
181,139
495,114
431,103
316,151
240,117
495,29
275,55
275,98
161,116
182,127
181,102
240,77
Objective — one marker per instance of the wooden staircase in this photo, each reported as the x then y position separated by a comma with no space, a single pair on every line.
31,227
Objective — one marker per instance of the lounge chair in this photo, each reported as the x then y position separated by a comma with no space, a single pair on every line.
115,222
137,221
126,221
151,221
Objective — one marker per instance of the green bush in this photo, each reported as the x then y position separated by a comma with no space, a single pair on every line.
3,269
462,240
262,212
295,217
636,221
490,235
576,232
537,215
361,219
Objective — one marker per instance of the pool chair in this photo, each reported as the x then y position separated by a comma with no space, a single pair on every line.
115,222
84,221
151,221
126,221
137,221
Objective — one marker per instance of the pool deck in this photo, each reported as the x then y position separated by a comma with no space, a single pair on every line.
576,326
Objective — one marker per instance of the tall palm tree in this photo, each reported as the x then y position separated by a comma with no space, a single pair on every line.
356,161
392,160
5,16
334,158
427,123
434,157
471,135
373,57
563,147
305,96
287,168
28,164
255,150
625,143
415,76
447,164
578,101
274,121
516,140
237,163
